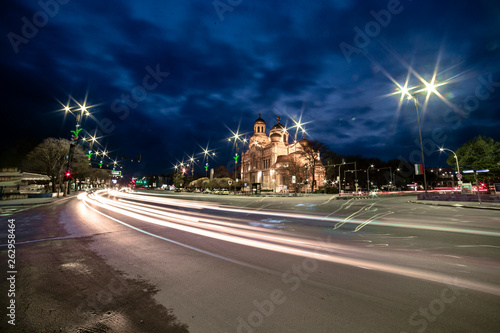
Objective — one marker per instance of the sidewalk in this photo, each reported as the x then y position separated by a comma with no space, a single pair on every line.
34,201
460,204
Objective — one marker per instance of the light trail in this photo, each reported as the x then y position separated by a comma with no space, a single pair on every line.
267,213
202,224
379,215
249,236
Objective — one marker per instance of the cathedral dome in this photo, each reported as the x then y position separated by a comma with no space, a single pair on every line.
304,142
278,126
259,127
260,120
275,137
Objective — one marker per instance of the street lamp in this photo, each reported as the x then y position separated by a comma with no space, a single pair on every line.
394,177
441,149
454,154
236,138
430,88
368,176
206,155
410,96
191,159
75,134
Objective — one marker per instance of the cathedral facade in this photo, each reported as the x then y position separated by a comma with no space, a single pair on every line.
277,164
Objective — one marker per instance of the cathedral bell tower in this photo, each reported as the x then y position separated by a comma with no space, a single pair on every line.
259,133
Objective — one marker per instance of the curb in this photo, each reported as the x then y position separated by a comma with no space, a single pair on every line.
33,203
27,204
458,205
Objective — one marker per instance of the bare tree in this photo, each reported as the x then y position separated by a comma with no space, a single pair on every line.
221,172
311,154
50,158
97,175
289,167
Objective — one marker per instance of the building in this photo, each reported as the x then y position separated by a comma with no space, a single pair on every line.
440,177
273,163
15,184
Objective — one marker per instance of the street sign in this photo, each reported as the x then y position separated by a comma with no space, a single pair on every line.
466,188
459,175
477,171
294,179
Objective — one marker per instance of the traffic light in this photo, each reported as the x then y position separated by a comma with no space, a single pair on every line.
67,175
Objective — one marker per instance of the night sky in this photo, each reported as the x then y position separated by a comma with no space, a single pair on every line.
166,79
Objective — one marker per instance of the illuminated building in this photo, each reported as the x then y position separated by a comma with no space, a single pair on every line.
276,164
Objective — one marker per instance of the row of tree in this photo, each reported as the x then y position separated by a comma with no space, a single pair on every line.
51,158
478,153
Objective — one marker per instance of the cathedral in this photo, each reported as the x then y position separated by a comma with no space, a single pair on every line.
273,163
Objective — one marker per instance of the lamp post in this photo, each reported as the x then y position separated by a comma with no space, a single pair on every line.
206,154
454,154
191,159
441,149
368,177
236,139
394,177
339,177
420,136
430,87
74,139
390,172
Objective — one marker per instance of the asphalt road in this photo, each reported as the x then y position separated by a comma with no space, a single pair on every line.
300,264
